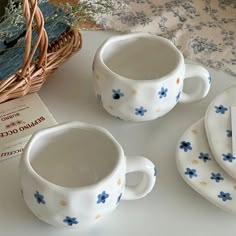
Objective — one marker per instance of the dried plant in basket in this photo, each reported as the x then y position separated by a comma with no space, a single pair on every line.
36,37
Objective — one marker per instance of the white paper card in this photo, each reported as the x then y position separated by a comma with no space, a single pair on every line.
233,125
12,151
19,119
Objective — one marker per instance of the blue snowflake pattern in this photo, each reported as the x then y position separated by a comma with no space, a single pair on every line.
204,156
70,221
163,92
228,157
221,109
117,94
140,111
217,177
191,173
102,197
186,146
224,196
39,197
229,133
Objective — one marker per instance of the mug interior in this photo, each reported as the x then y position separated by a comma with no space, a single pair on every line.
74,157
141,57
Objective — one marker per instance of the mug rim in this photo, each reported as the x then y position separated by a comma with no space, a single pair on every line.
25,158
137,35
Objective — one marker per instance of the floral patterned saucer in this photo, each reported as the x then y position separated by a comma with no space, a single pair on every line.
199,169
218,130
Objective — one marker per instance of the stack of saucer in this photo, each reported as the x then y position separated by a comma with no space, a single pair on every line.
204,154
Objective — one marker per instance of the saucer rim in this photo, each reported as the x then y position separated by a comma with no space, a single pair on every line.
232,172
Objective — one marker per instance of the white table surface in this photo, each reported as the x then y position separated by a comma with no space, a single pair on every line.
172,208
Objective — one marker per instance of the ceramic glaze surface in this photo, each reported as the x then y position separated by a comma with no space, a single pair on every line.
73,174
142,57
199,169
67,152
140,77
218,129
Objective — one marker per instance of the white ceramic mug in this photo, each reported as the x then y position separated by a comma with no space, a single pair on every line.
73,174
140,77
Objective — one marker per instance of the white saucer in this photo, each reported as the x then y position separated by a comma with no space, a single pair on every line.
199,169
218,129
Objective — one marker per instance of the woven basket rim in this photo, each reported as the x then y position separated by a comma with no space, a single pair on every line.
33,74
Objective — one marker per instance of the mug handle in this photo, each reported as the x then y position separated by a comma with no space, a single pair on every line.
141,164
204,86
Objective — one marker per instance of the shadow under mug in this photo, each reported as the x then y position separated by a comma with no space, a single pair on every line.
140,76
74,173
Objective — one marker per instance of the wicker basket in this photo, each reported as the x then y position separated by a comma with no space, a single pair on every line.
33,74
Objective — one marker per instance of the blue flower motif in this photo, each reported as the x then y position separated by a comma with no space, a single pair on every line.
191,172
186,146
228,157
221,109
118,199
229,133
204,156
163,92
70,221
39,197
155,171
117,94
102,197
224,196
140,111
217,177
178,96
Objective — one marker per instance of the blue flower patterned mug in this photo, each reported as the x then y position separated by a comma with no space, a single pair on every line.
140,76
73,174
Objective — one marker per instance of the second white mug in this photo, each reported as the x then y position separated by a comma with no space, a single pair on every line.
74,174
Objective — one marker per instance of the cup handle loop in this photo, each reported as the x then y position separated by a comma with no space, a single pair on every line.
140,164
203,86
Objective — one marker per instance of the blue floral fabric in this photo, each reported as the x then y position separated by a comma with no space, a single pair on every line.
204,30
